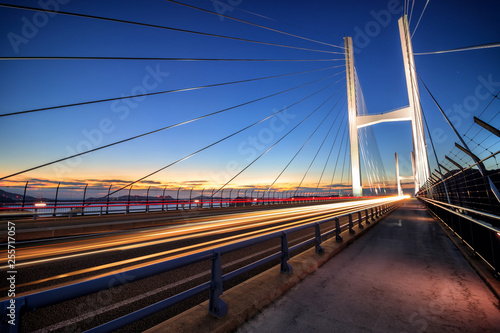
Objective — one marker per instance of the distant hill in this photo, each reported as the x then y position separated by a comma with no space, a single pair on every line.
132,198
13,197
8,197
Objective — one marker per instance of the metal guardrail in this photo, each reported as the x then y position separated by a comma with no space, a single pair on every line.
217,307
72,209
473,229
84,199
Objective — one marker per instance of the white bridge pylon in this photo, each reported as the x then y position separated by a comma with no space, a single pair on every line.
413,113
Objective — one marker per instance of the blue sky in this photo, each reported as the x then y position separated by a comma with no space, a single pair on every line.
40,137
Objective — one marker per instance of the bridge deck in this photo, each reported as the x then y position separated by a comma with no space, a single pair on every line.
405,275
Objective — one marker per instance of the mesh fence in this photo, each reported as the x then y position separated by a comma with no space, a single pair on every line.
469,174
98,200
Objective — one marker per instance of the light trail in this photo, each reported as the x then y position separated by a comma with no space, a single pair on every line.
198,229
181,251
142,296
287,219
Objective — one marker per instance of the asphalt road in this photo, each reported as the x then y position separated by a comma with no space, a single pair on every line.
52,263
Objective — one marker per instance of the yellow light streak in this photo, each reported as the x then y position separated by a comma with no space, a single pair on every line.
175,253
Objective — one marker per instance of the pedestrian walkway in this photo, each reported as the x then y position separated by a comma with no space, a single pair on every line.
404,275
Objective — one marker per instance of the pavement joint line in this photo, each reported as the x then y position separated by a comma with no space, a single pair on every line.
262,289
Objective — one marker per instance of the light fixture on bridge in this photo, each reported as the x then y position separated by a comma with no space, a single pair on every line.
40,204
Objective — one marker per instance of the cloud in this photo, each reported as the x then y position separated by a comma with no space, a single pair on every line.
152,182
45,182
108,181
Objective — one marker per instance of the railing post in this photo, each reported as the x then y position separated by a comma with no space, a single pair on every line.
190,197
127,209
216,306
147,200
83,201
200,204
338,238
163,199
107,200
317,233
177,200
55,200
372,215
24,195
360,219
367,217
221,197
351,230
285,255
212,199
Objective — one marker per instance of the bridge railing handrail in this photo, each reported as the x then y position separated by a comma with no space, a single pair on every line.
53,296
444,206
481,237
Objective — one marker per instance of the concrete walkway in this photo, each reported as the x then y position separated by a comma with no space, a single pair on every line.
405,275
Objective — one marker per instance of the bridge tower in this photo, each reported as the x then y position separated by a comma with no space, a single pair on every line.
413,113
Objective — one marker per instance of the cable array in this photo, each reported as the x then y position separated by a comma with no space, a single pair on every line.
483,143
465,48
469,176
70,107
256,25
156,26
215,143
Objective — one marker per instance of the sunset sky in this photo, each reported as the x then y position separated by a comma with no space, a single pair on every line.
462,82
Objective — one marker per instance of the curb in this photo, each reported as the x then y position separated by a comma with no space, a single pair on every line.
245,300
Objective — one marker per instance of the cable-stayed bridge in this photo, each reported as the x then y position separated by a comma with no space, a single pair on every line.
246,139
